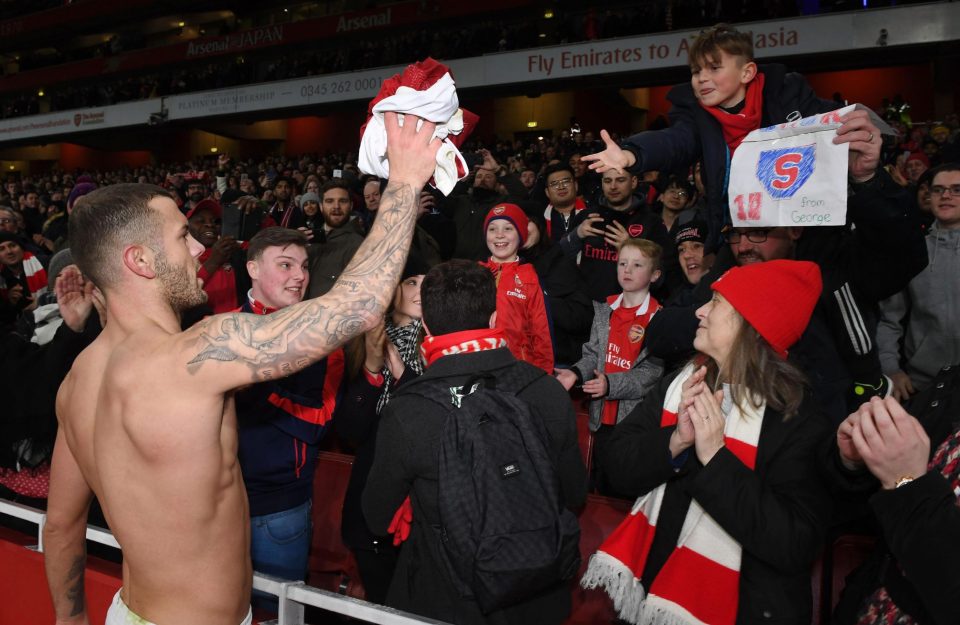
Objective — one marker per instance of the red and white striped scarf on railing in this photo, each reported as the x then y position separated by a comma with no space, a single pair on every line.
700,581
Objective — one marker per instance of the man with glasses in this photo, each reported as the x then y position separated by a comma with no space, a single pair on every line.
930,338
676,198
564,205
871,258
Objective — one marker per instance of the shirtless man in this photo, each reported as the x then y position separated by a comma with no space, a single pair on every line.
147,420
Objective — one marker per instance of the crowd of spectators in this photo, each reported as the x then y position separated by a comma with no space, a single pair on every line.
569,223
460,39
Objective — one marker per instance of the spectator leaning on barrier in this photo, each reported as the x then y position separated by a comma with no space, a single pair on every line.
281,422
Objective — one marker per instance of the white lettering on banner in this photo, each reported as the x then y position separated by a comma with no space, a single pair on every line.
65,122
806,35
289,93
792,174
268,35
366,21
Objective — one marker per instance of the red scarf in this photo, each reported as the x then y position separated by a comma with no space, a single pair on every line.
736,126
700,581
259,308
35,274
466,342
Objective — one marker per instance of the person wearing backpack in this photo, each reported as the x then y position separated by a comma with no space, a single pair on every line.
477,466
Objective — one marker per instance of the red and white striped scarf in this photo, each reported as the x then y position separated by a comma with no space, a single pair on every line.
465,342
35,274
700,581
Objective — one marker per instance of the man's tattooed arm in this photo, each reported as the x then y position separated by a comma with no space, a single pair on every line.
277,345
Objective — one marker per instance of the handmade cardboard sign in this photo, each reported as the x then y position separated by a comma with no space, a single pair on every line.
792,174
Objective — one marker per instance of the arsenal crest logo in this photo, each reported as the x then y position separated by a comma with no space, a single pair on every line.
498,210
635,334
77,119
635,230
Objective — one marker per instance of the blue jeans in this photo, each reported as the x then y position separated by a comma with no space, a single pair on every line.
280,546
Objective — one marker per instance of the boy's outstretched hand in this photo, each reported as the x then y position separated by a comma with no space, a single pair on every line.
865,141
613,157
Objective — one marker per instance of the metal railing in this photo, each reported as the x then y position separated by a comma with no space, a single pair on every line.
292,596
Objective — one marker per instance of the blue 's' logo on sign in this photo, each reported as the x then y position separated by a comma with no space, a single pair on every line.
782,172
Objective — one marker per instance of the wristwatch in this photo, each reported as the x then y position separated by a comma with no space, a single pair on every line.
903,479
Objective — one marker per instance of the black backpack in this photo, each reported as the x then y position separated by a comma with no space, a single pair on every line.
505,532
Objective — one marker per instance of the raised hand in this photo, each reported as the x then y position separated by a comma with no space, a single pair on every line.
74,297
612,157
865,142
411,149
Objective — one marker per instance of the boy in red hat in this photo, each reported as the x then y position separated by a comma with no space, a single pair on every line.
521,307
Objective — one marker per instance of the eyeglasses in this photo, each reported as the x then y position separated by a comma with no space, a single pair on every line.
563,183
754,236
678,192
5,220
941,190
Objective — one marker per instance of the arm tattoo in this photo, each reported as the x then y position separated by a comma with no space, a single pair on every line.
288,340
75,585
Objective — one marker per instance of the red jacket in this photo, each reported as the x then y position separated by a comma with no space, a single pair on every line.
522,313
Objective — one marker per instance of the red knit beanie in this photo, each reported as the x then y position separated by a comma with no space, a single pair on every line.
512,213
776,297
918,156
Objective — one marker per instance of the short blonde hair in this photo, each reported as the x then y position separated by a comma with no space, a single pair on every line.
648,248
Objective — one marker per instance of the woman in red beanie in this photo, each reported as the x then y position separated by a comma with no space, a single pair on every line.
521,306
724,458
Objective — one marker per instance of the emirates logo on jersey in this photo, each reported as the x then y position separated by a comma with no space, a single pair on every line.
635,334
